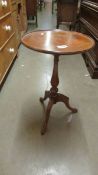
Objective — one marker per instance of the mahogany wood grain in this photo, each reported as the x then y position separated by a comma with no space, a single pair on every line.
56,42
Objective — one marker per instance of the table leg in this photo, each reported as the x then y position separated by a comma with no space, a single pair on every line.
54,96
47,115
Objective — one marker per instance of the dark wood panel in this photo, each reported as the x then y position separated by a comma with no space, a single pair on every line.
67,12
89,25
31,8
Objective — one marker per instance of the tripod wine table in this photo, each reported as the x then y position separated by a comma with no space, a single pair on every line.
57,42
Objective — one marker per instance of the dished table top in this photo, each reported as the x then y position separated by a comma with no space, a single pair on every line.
58,42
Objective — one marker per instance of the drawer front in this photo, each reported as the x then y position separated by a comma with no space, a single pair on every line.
6,29
6,56
4,7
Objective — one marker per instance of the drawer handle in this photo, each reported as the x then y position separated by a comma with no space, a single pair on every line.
4,3
8,28
11,50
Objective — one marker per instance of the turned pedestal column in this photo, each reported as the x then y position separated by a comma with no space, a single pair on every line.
54,96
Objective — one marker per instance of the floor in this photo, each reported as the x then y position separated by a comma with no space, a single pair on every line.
70,146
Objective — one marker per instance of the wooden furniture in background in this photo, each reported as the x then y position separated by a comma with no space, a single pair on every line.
31,7
53,5
67,11
41,3
57,42
89,25
13,24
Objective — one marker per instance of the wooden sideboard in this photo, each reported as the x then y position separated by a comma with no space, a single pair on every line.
67,12
89,25
13,24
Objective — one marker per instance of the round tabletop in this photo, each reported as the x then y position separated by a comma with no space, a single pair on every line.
58,42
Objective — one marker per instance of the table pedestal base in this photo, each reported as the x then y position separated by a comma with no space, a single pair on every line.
54,96
53,100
